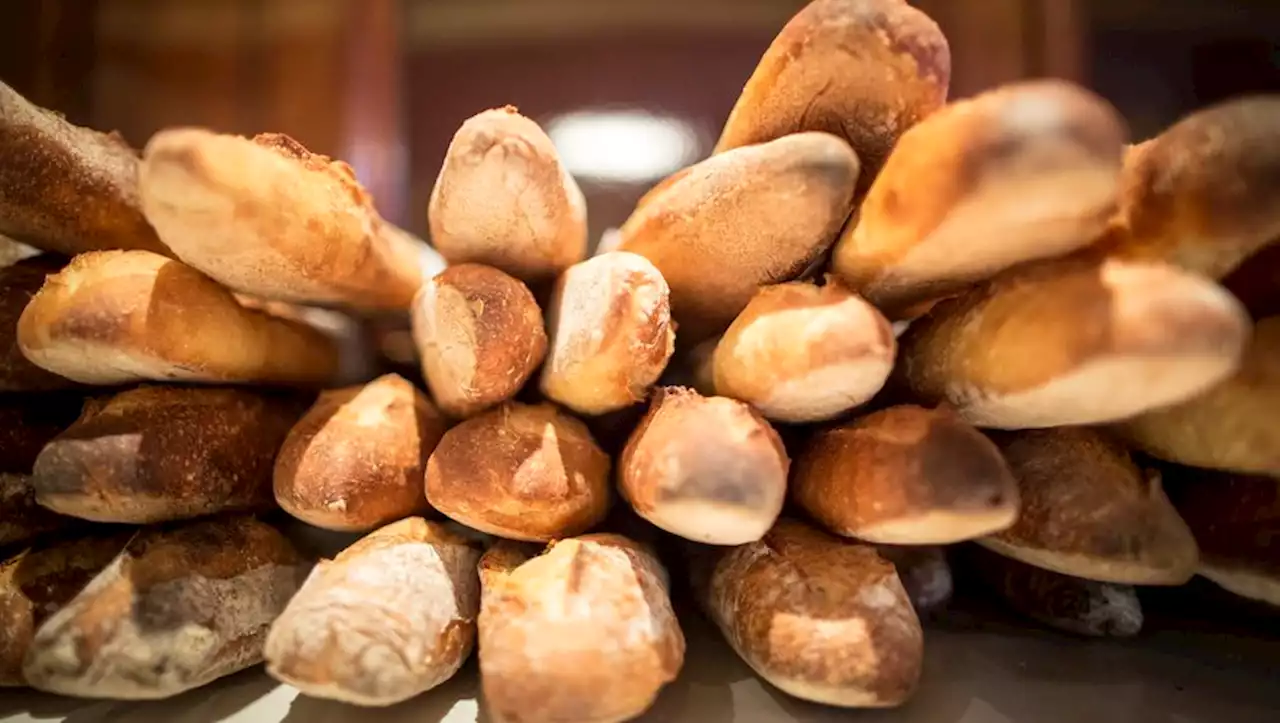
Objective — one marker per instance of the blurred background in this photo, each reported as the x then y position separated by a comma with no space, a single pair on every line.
628,89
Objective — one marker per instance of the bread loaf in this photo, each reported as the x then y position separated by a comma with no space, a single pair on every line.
21,517
1201,194
1026,171
480,335
907,476
925,574
1073,342
390,617
611,333
157,453
1256,282
1089,511
583,632
37,582
716,232
179,607
866,70
18,283
521,472
115,317
356,460
822,619
709,469
64,188
1235,425
266,216
504,199
803,353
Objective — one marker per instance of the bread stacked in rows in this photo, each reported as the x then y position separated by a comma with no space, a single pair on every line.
729,390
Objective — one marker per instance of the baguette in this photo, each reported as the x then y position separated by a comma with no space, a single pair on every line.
715,233
390,617
1233,426
156,453
1256,282
611,333
504,199
21,517
521,472
803,353
480,335
64,188
1201,194
1073,342
18,283
925,575
709,469
37,582
1026,171
356,460
583,632
820,618
1088,511
179,607
117,317
906,476
866,70
268,217
28,422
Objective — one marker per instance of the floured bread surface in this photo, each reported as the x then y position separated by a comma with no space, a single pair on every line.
177,608
582,632
392,616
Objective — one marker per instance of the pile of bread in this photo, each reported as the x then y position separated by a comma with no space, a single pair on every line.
907,322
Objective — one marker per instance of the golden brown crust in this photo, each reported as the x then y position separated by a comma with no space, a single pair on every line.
268,217
583,632
521,472
504,199
21,517
114,317
709,469
804,353
611,333
906,475
65,188
480,335
346,634
1089,511
1201,194
154,453
1233,426
18,283
865,70
715,232
179,607
1027,171
821,618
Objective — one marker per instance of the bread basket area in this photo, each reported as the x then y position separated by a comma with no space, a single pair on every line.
905,397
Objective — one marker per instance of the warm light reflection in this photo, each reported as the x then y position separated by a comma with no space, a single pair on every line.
623,146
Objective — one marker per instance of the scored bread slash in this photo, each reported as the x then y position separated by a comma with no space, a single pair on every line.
582,632
356,459
1201,195
116,317
1026,171
1234,426
1073,341
265,216
504,199
67,189
179,607
480,335
759,215
709,469
522,472
20,282
1089,511
611,333
906,476
390,617
823,619
159,453
866,70
803,353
